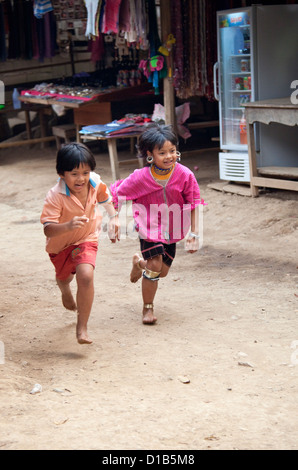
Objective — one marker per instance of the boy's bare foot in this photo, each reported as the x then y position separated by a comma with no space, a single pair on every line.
67,298
82,336
148,316
136,271
68,301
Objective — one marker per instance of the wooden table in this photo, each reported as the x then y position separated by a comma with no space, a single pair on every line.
42,110
95,111
112,148
281,111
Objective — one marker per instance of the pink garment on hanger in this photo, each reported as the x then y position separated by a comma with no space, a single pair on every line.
110,22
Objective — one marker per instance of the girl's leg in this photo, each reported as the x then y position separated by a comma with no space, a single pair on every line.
85,295
149,288
67,298
138,264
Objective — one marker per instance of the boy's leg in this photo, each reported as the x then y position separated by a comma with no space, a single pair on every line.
85,295
67,298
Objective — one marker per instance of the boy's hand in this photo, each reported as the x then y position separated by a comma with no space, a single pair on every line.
114,229
78,222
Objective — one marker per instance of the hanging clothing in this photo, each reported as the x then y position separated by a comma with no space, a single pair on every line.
13,41
96,47
141,24
50,35
124,16
195,50
176,14
110,21
131,34
41,7
153,35
28,28
46,36
97,18
91,6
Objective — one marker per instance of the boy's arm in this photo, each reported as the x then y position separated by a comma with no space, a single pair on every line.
53,229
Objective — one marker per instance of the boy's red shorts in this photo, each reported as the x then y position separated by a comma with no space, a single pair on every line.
67,260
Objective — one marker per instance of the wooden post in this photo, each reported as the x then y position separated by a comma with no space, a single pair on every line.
252,159
168,89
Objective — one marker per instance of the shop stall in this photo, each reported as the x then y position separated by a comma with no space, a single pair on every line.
171,44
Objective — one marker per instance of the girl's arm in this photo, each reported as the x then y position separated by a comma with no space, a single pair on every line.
194,227
105,200
192,242
109,207
114,225
192,196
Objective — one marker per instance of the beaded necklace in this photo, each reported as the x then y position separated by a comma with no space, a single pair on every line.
162,175
161,171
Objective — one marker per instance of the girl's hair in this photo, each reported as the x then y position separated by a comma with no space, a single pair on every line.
73,155
155,135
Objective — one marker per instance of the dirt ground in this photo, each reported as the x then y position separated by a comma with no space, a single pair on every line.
227,325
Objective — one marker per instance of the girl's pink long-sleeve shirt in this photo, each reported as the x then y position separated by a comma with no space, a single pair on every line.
161,213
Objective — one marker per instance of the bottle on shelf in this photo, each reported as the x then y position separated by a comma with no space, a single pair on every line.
245,83
15,99
243,130
244,65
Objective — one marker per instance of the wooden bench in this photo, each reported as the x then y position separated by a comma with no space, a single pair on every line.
42,112
202,125
66,132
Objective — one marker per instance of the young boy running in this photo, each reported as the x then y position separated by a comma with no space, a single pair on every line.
71,221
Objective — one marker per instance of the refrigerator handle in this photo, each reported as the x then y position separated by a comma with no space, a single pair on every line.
215,84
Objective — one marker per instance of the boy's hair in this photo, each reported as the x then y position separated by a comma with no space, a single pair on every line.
73,155
155,135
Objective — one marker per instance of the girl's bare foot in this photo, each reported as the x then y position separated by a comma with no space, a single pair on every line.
148,316
136,271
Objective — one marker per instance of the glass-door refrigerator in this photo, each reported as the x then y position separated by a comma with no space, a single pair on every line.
257,60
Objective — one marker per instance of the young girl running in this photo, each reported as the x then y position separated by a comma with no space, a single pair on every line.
165,196
71,223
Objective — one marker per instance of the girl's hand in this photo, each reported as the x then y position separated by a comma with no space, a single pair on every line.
192,244
114,229
77,222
